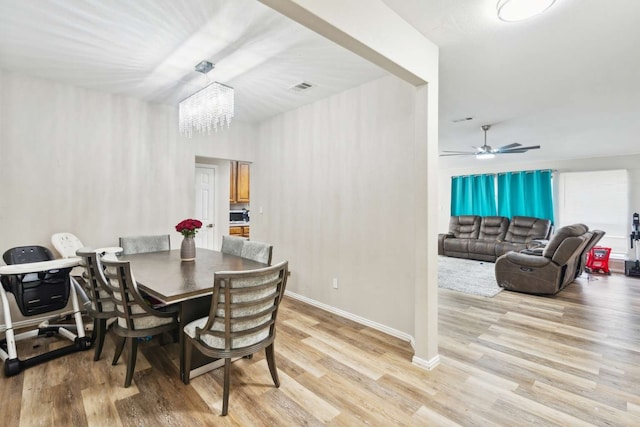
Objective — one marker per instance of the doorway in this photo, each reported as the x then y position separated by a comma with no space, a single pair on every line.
205,203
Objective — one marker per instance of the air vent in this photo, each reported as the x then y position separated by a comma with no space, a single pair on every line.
301,87
462,120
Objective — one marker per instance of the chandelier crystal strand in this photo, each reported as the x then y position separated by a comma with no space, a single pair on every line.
211,107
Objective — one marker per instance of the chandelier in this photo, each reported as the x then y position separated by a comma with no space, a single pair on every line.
210,107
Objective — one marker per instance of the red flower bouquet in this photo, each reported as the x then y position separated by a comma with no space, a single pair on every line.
188,227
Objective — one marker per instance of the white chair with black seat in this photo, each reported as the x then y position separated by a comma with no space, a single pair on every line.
36,291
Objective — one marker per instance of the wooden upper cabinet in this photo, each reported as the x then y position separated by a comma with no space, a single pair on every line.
234,182
239,182
242,187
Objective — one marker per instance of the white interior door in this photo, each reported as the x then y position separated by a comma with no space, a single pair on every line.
205,205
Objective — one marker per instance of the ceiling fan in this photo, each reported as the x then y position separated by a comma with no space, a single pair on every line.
486,152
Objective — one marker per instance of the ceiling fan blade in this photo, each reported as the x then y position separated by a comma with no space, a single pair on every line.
531,147
509,146
457,154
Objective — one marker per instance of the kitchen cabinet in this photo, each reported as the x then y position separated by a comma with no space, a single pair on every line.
239,182
239,230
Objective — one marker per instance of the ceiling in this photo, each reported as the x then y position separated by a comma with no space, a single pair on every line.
148,49
566,80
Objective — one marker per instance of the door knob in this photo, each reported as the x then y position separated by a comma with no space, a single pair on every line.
209,225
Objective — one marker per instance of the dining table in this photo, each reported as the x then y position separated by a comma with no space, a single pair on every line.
165,277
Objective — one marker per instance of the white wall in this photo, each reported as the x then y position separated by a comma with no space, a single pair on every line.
631,163
95,164
335,180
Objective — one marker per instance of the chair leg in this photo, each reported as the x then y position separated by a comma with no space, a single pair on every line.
119,347
188,347
131,363
94,333
271,361
99,331
225,391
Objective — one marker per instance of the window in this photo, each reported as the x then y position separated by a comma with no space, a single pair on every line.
599,200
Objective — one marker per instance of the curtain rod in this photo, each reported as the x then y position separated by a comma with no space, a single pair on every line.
531,171
502,173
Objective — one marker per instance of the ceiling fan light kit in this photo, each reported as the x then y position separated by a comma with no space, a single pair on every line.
487,152
519,10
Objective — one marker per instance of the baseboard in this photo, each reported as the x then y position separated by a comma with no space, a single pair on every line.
426,364
361,320
616,263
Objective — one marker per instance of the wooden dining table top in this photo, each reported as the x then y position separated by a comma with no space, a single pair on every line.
165,277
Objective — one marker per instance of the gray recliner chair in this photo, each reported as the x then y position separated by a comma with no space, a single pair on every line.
549,273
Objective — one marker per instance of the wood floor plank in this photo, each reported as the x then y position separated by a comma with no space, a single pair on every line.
512,360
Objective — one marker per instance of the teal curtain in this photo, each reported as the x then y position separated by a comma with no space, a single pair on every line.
473,195
526,193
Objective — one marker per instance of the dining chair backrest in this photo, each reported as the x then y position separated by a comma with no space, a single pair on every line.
257,251
66,244
99,292
232,245
246,301
143,244
132,310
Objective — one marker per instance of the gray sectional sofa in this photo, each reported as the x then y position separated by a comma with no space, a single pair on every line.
487,238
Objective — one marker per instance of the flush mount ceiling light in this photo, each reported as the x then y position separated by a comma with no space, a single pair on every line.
210,107
518,10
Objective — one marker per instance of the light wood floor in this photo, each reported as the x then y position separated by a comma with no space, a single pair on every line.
514,359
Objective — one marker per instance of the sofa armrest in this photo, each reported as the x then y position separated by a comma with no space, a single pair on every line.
441,238
535,251
537,244
525,260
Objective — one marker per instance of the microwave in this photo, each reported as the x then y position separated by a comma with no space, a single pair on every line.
238,215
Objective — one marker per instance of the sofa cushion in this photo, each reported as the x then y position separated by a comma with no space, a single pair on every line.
465,226
502,248
493,228
524,228
483,250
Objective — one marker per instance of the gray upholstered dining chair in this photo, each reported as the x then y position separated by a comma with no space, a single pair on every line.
232,245
257,251
101,308
241,321
136,318
143,244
